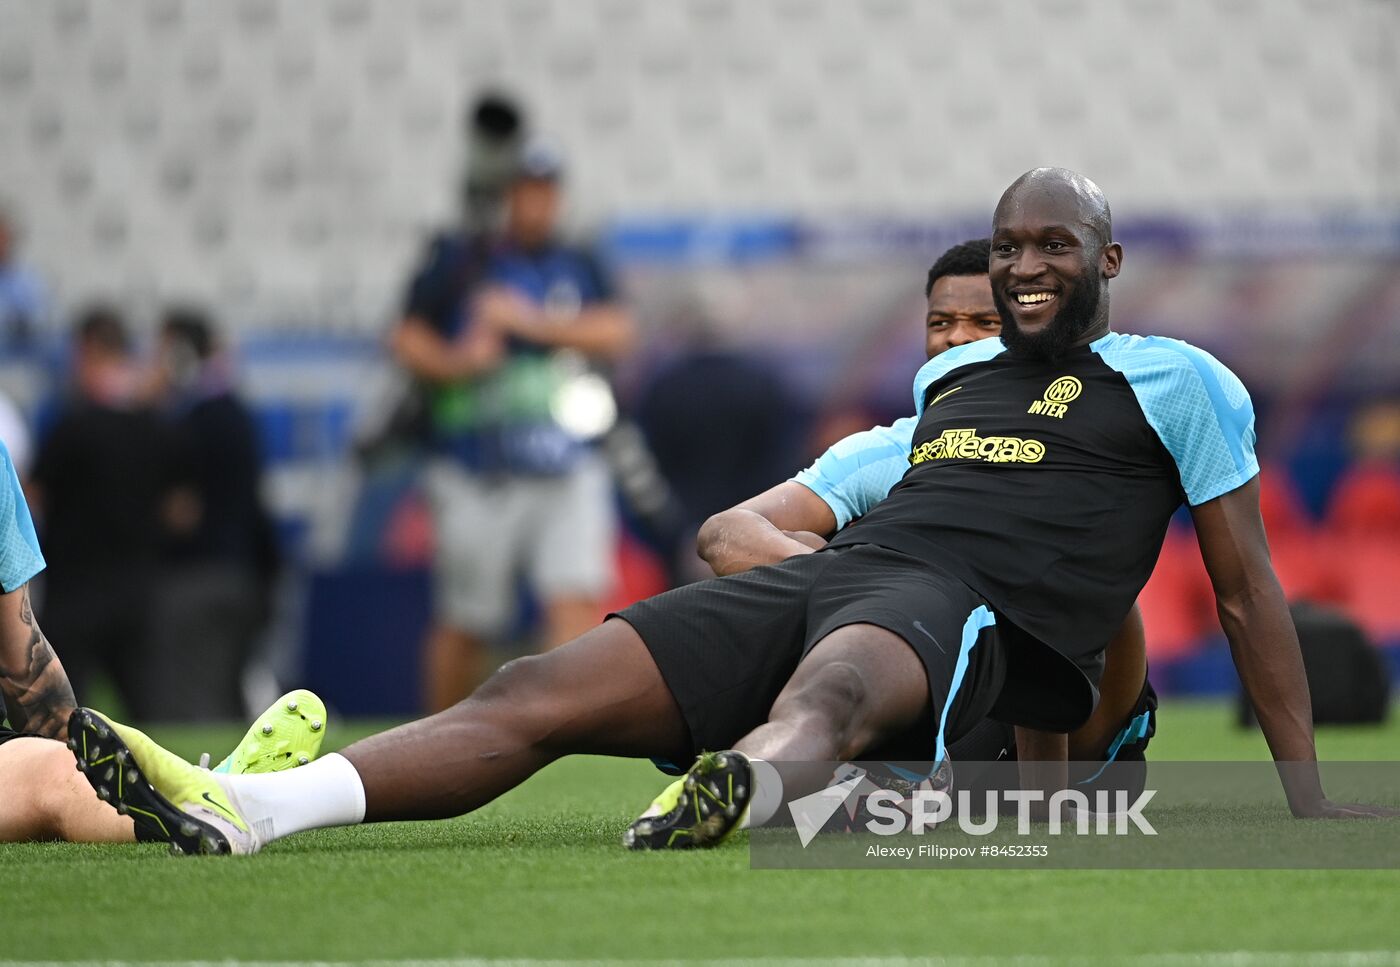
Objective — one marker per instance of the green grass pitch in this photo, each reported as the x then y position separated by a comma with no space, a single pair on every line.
539,876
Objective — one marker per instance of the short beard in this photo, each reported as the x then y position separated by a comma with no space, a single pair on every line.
1075,318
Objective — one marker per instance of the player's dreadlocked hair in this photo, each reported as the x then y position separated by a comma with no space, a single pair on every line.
968,258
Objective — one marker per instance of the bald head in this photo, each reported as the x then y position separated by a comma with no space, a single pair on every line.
1052,257
1067,190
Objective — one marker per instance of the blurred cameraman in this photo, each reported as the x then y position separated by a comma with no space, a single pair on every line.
491,323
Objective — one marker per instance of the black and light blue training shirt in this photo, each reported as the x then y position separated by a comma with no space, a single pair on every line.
1047,486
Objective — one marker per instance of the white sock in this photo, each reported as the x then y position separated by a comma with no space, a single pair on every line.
327,792
767,795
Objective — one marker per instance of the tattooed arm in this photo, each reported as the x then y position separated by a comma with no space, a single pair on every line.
37,694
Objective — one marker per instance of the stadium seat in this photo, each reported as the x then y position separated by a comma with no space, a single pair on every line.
1364,525
1294,541
297,98
1178,605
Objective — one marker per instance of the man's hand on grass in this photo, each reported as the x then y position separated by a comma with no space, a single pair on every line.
1327,809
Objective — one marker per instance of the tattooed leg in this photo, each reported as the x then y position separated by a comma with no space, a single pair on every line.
37,694
45,798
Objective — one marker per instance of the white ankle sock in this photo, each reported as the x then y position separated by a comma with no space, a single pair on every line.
327,792
767,794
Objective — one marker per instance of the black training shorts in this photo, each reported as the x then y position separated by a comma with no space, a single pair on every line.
727,646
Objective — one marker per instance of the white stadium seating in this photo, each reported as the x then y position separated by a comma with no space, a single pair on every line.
282,159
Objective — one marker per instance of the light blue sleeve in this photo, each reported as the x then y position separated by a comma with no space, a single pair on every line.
1199,409
20,559
945,362
856,473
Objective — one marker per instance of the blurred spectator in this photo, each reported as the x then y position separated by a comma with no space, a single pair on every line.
100,476
512,491
22,302
721,425
220,557
1375,434
1364,524
14,431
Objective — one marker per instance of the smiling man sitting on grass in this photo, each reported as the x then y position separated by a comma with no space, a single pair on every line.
1044,469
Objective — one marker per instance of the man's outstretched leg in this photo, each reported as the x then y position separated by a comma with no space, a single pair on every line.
601,693
858,688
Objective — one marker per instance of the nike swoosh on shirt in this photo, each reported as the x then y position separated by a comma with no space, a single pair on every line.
934,401
918,626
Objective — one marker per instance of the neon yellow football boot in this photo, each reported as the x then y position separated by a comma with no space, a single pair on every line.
169,797
656,828
700,809
287,735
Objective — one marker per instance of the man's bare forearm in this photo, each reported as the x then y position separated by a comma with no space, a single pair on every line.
736,540
780,523
428,356
604,331
1042,759
1124,674
38,696
1042,765
1277,686
1264,644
